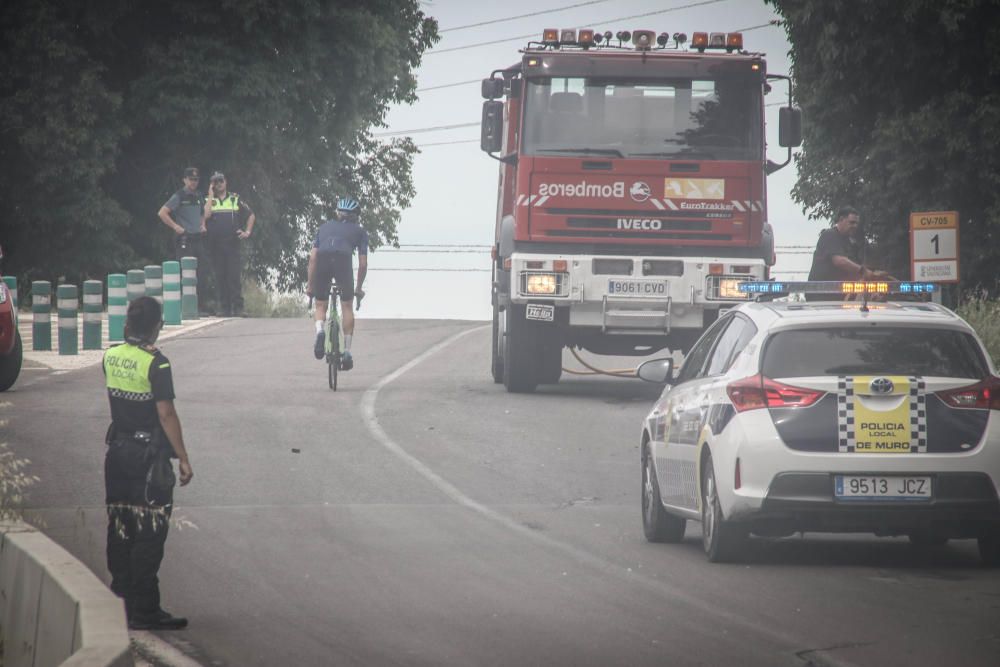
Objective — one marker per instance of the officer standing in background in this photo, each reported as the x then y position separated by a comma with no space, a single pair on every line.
228,221
183,214
145,433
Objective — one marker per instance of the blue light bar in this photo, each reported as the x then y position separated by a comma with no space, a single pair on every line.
870,287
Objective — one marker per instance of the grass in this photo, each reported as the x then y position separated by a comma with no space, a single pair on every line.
983,314
258,302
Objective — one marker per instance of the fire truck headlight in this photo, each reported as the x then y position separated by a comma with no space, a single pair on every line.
541,283
729,288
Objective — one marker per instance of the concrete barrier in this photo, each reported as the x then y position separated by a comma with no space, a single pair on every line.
53,610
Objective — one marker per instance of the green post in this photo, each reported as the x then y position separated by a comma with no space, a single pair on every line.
117,305
41,315
154,282
172,292
136,284
93,314
189,288
12,286
67,306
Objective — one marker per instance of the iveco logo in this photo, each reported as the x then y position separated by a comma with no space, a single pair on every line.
881,386
640,191
640,223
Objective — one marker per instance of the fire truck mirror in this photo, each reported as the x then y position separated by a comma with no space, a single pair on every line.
492,89
789,127
491,133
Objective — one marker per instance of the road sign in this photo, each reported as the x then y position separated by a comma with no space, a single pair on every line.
934,246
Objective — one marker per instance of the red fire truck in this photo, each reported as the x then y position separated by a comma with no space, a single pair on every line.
632,195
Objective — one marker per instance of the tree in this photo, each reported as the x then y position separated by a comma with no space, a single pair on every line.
103,103
901,103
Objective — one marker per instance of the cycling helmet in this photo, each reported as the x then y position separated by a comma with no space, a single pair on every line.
348,205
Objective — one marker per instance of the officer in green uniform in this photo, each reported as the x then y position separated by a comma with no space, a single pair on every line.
145,433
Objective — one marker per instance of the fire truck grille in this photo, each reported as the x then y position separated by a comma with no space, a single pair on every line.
639,223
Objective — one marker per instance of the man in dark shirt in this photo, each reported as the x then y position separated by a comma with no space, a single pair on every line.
331,261
835,257
145,433
183,214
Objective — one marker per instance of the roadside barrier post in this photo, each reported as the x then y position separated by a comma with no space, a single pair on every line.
117,305
41,315
67,306
93,314
189,288
12,286
154,282
172,292
136,284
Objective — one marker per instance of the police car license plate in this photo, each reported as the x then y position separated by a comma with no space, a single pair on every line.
637,287
881,488
540,312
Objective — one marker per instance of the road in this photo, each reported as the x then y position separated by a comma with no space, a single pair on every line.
422,516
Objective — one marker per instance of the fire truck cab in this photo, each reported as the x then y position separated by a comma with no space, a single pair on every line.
631,198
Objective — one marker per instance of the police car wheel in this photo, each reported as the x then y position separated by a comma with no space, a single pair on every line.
722,540
10,365
657,524
989,550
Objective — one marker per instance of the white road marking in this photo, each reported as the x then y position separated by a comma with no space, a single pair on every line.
622,572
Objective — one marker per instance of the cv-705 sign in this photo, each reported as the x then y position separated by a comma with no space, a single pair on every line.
934,246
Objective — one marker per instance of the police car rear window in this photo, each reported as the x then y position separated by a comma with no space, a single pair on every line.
873,351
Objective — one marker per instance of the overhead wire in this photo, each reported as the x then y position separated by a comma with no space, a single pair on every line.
521,16
605,21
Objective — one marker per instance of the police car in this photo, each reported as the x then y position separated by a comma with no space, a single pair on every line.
829,416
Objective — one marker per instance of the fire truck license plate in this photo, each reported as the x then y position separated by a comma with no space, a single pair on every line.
540,312
637,288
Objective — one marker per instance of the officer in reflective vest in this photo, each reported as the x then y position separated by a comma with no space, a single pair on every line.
228,221
145,433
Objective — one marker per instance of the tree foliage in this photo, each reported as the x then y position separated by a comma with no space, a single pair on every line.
901,108
104,102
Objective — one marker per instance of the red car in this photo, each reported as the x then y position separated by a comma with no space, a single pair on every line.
10,339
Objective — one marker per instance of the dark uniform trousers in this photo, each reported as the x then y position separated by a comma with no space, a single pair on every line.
137,530
193,245
225,252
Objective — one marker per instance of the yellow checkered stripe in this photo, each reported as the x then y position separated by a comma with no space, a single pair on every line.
848,408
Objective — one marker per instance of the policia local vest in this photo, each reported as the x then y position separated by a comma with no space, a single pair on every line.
136,379
225,218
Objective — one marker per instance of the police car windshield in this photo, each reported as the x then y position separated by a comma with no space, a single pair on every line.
653,118
873,351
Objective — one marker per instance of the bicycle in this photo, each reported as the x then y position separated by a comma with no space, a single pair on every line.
334,337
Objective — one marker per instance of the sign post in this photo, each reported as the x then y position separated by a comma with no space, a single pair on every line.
934,246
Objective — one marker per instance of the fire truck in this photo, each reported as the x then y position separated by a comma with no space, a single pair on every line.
632,199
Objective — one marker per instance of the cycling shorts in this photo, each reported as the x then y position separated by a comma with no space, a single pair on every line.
334,267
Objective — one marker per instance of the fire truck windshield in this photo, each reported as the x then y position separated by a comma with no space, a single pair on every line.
664,118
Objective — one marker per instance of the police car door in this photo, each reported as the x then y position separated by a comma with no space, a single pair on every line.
684,411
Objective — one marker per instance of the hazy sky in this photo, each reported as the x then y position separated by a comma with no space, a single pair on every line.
456,183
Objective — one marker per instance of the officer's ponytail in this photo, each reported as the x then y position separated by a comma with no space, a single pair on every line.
143,321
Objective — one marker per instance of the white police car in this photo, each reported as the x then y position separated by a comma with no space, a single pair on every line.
827,416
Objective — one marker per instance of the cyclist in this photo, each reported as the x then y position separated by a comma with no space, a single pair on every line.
331,259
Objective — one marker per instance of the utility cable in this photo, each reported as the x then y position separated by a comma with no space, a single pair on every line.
521,16
621,373
606,21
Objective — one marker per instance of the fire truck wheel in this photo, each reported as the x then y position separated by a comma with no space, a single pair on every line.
10,365
550,362
496,358
519,352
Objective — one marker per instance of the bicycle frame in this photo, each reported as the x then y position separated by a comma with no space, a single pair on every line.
334,339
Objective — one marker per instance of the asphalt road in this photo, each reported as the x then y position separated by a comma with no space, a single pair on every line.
422,516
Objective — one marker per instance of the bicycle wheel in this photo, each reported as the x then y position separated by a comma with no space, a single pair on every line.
333,356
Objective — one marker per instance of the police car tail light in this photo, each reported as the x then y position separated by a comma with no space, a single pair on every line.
756,392
982,395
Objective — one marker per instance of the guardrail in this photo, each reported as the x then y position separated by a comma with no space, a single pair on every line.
53,610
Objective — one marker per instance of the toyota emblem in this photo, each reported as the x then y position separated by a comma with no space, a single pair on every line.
881,386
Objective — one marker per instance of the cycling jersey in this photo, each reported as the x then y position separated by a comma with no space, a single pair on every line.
341,237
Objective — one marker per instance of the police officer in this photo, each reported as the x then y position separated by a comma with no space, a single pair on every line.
183,214
145,433
228,221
